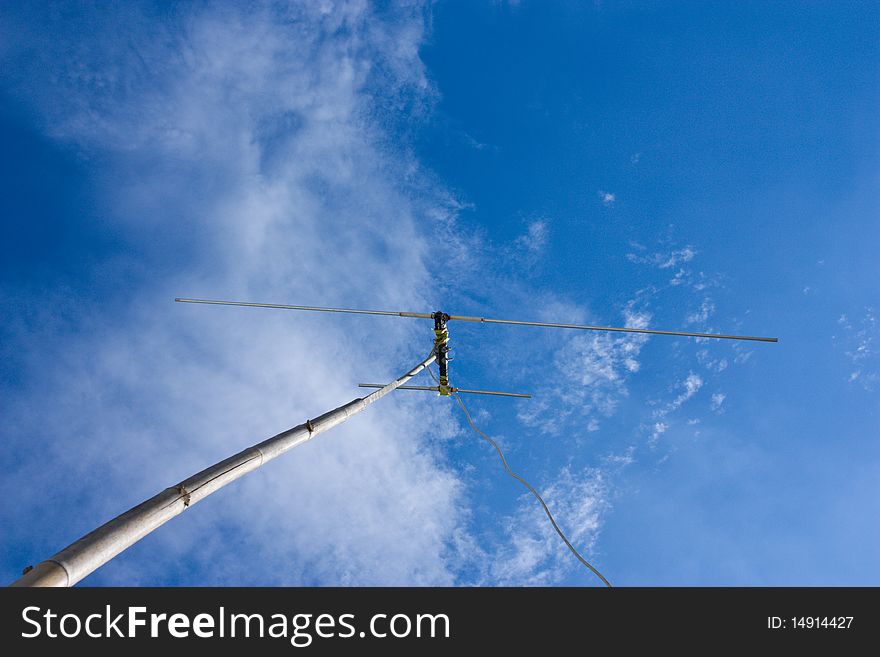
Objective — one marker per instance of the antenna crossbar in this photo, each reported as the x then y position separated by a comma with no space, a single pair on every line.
487,320
451,389
313,308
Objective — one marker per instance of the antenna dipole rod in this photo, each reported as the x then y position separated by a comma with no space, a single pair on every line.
487,320
95,549
313,308
452,389
586,327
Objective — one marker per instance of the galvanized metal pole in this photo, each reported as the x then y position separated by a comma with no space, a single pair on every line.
95,549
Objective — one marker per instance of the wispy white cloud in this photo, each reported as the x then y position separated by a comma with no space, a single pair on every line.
859,339
658,430
702,315
535,238
622,460
664,260
742,351
711,361
474,143
682,255
592,370
688,387
677,259
718,400
607,198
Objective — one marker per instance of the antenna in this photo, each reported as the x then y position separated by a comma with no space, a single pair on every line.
90,552
441,333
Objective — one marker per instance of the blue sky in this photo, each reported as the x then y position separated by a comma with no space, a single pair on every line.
697,166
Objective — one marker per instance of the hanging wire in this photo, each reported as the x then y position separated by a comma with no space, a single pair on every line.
527,485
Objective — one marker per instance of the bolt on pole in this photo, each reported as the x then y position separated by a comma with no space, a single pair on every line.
93,550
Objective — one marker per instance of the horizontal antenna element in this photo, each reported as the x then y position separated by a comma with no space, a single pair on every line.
323,310
451,389
485,320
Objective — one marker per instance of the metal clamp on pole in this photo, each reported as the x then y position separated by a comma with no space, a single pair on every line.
441,349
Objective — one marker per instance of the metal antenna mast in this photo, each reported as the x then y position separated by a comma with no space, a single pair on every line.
93,550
